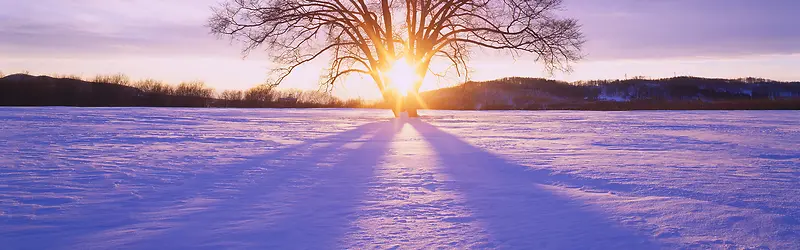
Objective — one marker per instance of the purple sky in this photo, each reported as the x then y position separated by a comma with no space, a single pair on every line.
721,37
679,28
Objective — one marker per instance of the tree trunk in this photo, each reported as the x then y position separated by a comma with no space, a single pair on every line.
394,101
412,112
396,112
399,104
411,103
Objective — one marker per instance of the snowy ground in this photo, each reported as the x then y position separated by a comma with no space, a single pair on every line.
80,178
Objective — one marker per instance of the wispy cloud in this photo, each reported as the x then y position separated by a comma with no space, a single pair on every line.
619,29
107,26
687,28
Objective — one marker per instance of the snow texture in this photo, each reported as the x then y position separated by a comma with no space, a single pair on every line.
148,178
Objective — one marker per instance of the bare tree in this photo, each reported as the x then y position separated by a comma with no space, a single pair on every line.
120,79
232,95
194,89
260,96
231,98
368,36
154,87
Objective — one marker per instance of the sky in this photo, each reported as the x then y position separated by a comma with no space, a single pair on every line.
167,40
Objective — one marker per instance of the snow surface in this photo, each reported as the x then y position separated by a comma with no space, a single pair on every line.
148,178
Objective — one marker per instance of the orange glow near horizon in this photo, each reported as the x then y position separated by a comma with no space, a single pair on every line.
234,73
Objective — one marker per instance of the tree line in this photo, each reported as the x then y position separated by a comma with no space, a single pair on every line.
120,90
679,93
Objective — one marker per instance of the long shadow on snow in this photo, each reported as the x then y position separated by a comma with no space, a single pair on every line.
515,208
301,206
164,210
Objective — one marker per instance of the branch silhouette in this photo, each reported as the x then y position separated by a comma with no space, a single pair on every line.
367,36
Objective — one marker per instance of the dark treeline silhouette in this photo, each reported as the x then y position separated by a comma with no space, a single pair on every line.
678,93
119,91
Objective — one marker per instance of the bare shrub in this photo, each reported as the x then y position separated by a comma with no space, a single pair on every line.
353,103
194,89
232,95
67,76
260,95
118,78
154,86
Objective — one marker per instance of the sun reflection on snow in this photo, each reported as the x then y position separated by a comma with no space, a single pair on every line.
410,196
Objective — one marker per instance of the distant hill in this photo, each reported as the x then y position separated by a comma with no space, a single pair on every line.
679,93
27,90
670,93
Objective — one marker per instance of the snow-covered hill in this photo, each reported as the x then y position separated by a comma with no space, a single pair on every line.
148,178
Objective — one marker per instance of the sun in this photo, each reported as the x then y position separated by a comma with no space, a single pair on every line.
402,76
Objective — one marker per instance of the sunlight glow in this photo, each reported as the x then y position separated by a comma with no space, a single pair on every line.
402,76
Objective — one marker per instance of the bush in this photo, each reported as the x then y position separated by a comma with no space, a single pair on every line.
353,103
307,98
119,78
154,86
66,76
232,95
316,97
2,75
194,89
260,95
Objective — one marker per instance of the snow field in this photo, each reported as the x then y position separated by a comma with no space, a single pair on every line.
144,178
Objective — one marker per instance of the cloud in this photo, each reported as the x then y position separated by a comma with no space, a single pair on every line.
87,27
615,29
628,29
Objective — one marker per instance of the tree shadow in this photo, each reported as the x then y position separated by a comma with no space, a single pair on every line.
515,208
304,200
